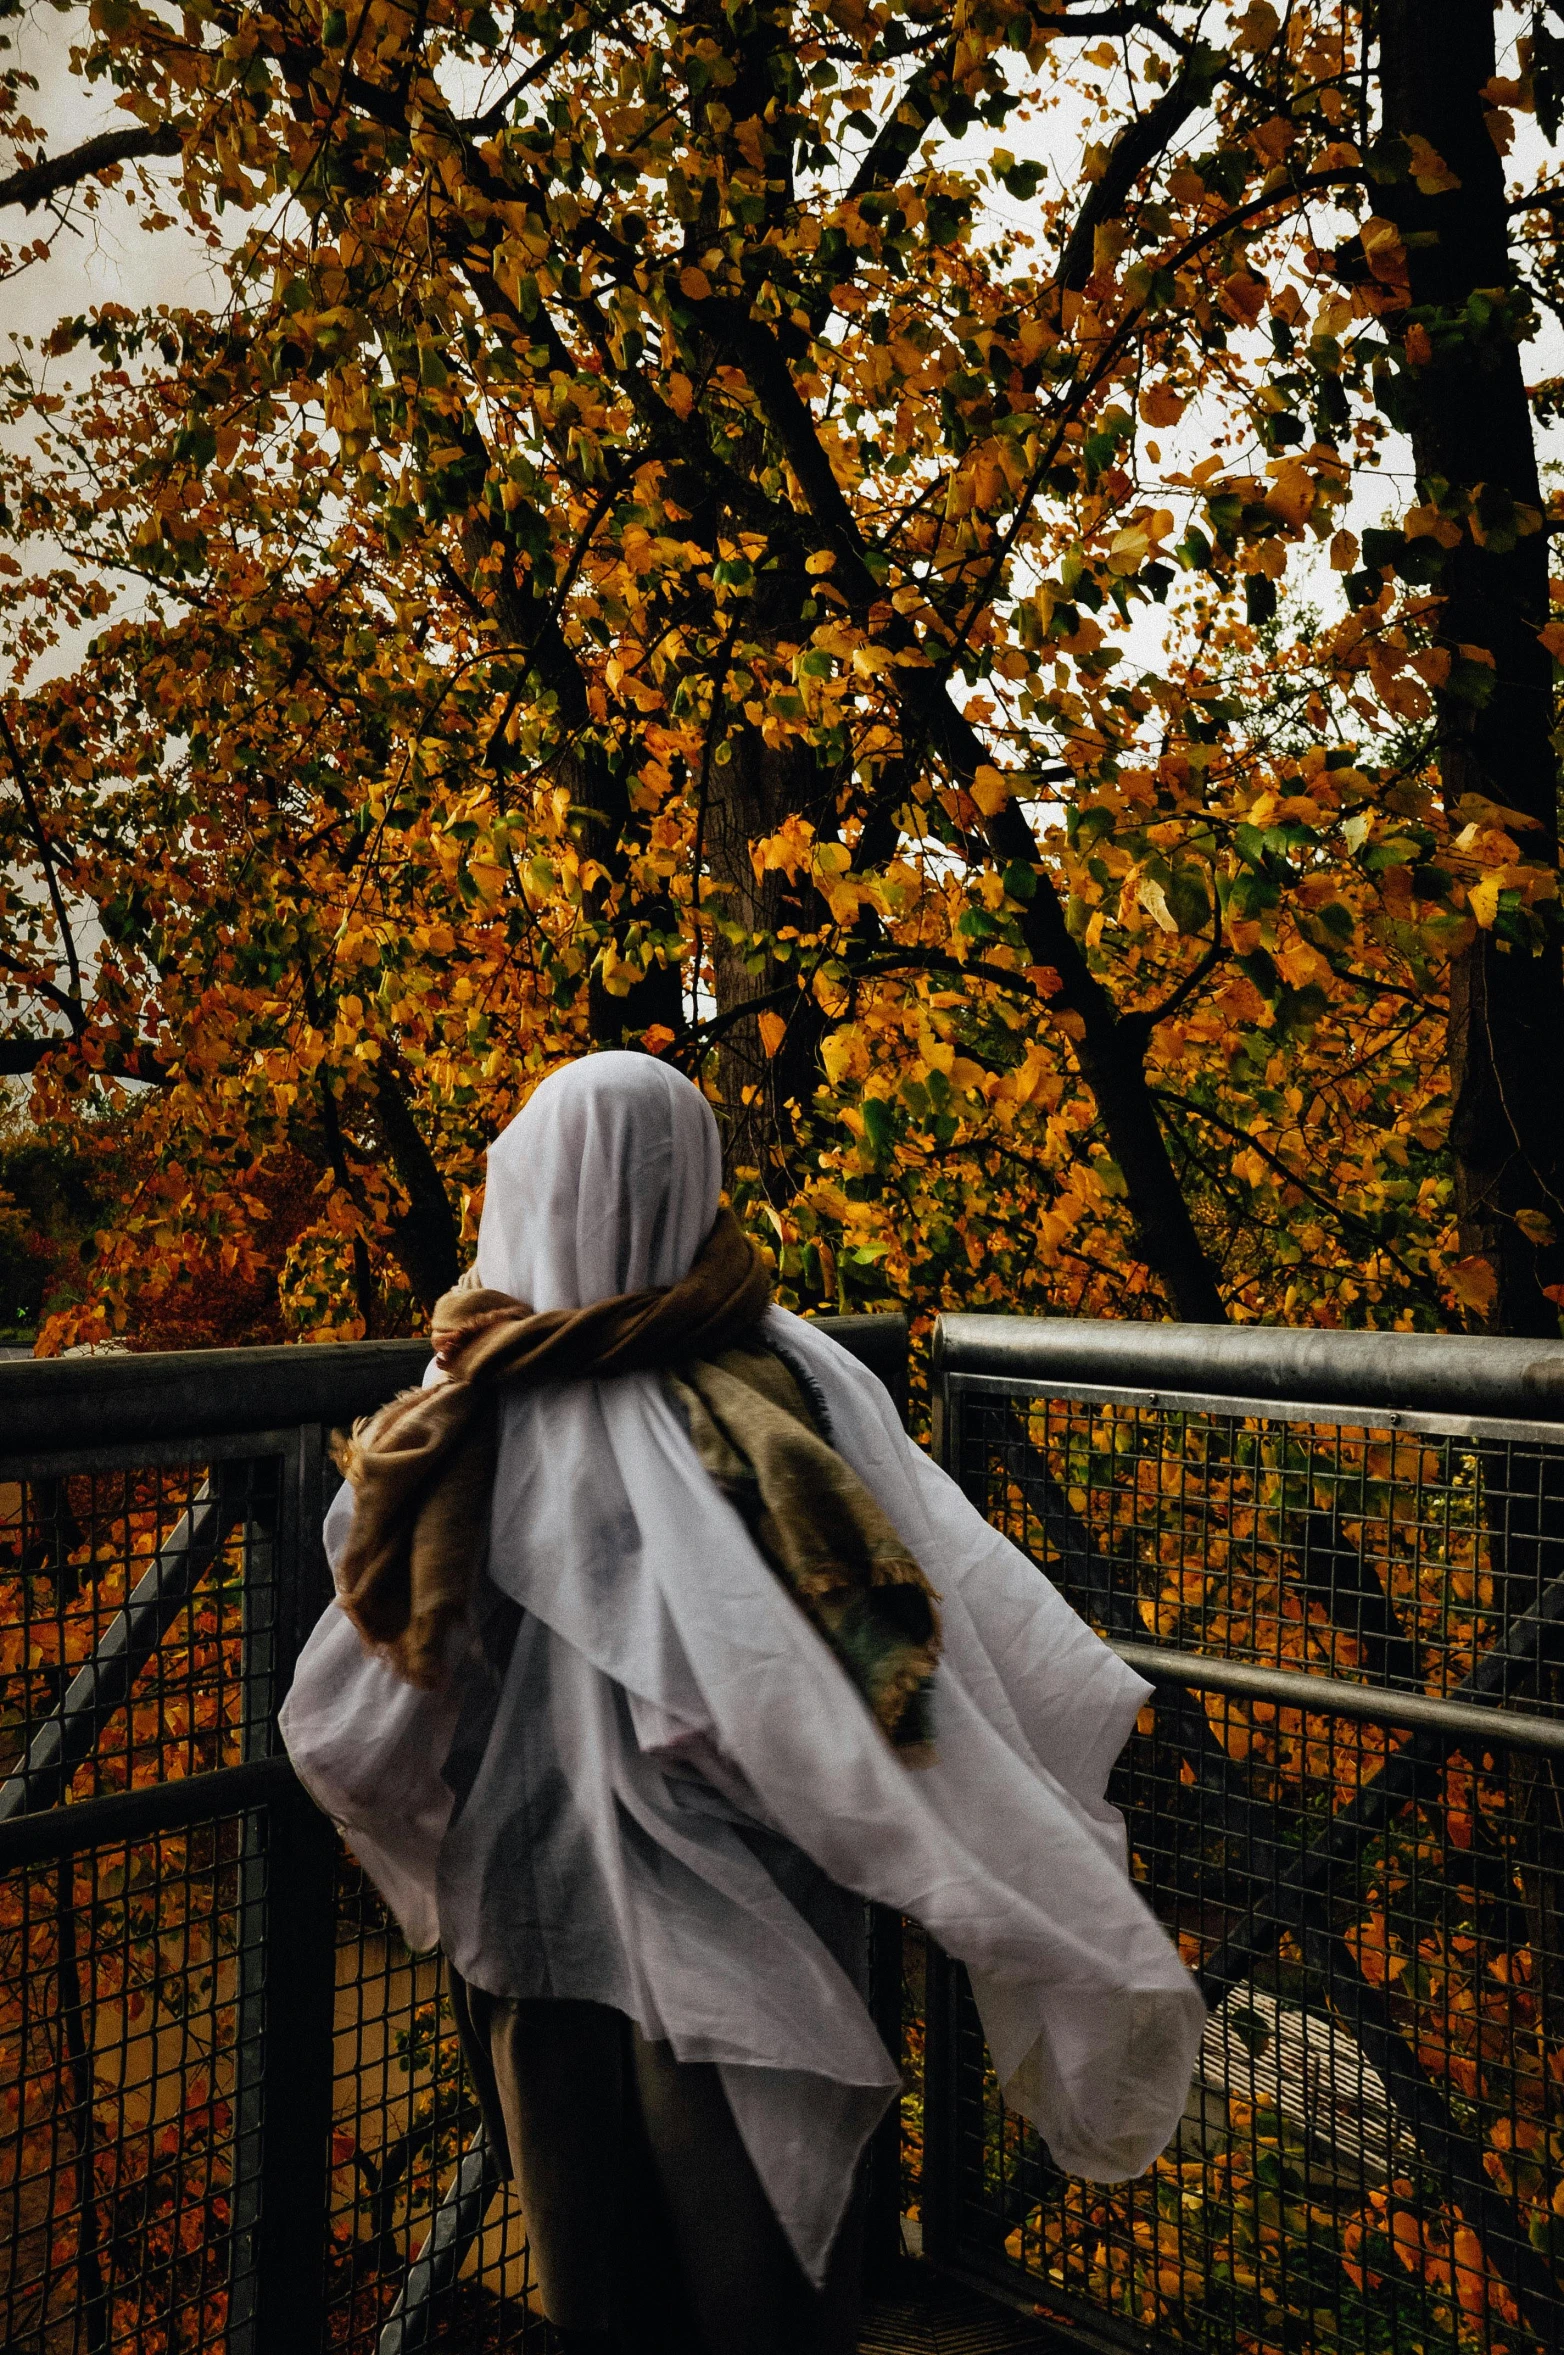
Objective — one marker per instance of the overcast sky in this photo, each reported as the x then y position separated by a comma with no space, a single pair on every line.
110,259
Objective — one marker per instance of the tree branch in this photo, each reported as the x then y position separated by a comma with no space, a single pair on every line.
1148,1018
922,102
424,1237
1321,1200
20,1055
1138,144
46,860
36,183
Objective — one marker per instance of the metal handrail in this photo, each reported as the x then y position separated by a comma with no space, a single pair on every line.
1431,1373
1340,1696
178,1394
168,1395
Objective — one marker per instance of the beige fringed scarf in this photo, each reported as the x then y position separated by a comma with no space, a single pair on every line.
422,1471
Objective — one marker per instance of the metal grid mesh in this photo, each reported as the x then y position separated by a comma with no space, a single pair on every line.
165,2135
1373,2154
140,1646
145,1579
1380,1554
402,2119
123,2043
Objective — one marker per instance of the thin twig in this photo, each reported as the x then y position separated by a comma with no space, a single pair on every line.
46,859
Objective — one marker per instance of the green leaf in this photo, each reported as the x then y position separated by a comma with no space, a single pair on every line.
879,1125
977,924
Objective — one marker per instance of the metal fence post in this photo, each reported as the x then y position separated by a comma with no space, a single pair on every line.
938,2193
458,2221
287,1966
882,2200
940,2196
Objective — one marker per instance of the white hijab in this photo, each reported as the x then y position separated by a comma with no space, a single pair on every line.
668,1772
608,1181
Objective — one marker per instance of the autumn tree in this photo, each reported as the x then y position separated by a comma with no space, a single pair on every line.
847,547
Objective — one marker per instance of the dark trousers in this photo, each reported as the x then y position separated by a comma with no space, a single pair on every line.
648,2225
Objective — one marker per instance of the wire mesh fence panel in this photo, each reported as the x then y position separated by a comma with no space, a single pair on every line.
403,2117
125,1597
149,2043
120,2052
130,1600
1372,2157
1374,1552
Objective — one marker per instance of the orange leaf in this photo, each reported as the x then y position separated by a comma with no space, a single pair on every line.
1474,1283
1243,296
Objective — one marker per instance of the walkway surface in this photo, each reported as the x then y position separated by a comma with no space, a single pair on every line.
924,2315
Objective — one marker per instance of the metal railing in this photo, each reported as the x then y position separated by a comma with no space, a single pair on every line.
232,2114
1339,1560
231,2107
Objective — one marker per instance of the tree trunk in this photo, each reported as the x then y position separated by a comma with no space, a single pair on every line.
1470,423
1111,1053
424,1238
617,1019
747,798
1466,409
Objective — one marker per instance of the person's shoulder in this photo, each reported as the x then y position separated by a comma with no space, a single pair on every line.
786,1332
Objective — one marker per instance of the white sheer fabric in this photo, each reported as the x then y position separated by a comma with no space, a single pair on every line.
648,1782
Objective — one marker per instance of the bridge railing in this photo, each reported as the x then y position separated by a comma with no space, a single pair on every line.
232,2115
1339,1560
231,2112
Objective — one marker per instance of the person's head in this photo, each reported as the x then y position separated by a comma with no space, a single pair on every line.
607,1180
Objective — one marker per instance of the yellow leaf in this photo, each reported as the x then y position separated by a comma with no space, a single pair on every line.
991,790
1483,899
751,138
1161,405
1291,495
1155,902
1536,1226
1343,551
695,284
1243,296
844,1055
1109,240
1383,251
681,393
773,1030
1475,809
821,561
1128,550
